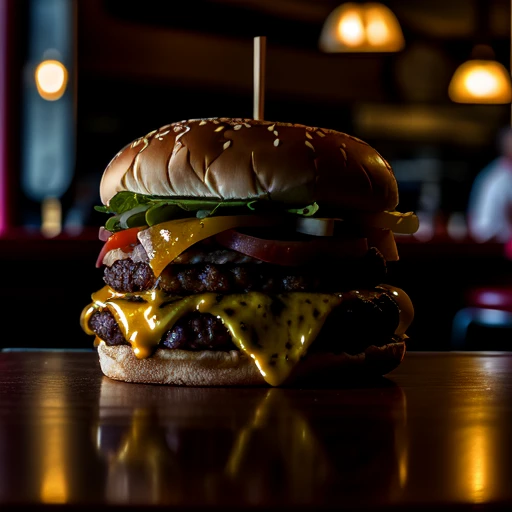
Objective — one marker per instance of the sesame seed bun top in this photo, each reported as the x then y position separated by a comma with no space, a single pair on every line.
231,158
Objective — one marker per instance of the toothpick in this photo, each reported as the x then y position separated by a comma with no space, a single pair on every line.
259,76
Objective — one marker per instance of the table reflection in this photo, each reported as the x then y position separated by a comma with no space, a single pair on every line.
46,450
435,433
210,445
459,423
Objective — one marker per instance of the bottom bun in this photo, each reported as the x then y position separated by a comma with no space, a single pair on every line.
234,368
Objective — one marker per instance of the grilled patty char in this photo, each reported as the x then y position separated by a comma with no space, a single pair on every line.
127,276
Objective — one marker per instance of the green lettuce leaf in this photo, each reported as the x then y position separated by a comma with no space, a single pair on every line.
128,209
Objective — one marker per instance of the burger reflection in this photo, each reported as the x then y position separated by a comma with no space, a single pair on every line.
207,445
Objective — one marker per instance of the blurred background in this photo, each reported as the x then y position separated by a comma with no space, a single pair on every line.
79,79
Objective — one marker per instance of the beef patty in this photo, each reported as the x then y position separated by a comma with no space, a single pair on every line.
128,276
354,325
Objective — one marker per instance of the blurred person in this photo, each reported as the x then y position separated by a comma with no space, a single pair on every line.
489,212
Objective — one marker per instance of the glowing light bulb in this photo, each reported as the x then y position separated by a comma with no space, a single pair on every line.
51,78
481,82
351,29
377,31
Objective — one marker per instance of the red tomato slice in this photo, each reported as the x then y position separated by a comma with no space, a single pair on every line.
292,252
124,240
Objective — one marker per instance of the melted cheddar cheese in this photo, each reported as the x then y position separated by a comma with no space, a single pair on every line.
275,331
164,242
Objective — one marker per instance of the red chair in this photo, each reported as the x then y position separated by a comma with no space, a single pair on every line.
488,306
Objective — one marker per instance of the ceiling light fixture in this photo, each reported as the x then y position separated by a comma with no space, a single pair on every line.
366,27
481,80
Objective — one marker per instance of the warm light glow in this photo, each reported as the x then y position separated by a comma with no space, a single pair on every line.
480,81
377,30
367,27
475,476
53,469
351,29
51,79
51,213
54,482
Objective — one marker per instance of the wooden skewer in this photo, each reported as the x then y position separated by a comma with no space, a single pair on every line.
259,76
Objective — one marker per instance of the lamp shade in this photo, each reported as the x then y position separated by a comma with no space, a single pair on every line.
480,81
366,27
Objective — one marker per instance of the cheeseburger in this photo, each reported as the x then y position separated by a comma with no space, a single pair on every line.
248,252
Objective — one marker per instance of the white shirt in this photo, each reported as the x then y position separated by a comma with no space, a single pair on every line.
490,203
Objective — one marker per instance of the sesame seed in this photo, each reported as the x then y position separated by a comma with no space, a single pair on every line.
237,127
308,135
276,143
344,153
219,129
309,145
271,127
276,133
202,123
247,125
320,133
227,144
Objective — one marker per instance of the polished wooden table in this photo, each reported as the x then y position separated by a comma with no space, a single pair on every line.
434,434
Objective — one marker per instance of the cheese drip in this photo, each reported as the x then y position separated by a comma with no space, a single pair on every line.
275,331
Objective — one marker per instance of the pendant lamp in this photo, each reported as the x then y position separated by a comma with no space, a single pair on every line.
481,79
361,27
